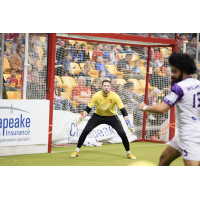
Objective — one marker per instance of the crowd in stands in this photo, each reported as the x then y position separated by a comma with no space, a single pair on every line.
87,64
81,66
13,70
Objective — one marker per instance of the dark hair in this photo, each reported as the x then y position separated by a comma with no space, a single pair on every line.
129,54
67,44
67,53
12,68
104,81
79,50
19,47
128,84
184,62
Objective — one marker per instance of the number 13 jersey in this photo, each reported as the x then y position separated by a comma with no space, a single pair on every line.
186,95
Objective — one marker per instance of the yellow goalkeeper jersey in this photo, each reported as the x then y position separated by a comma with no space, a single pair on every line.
105,106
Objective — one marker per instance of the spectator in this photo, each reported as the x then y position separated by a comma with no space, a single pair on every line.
113,55
123,65
144,53
96,85
17,41
100,66
126,99
113,84
59,103
35,90
65,63
137,74
106,54
97,52
127,96
32,51
129,86
182,38
11,83
167,78
85,52
120,48
60,51
17,59
81,94
76,52
102,75
155,79
29,70
84,73
144,71
157,57
128,50
67,46
193,43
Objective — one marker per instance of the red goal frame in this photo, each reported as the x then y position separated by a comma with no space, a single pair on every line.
111,38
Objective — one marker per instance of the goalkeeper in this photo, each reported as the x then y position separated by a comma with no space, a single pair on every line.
105,101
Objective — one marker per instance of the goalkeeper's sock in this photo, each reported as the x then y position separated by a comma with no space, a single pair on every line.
77,149
128,152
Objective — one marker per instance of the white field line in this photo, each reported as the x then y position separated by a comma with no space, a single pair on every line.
107,148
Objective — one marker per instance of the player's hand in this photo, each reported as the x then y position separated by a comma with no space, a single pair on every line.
130,127
80,119
140,106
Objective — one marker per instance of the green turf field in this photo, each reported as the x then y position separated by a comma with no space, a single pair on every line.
106,155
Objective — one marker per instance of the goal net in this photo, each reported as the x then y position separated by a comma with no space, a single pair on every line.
83,61
14,65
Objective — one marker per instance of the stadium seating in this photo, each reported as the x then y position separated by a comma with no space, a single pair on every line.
77,70
65,95
72,42
40,52
18,76
121,81
60,84
13,95
68,81
90,47
112,69
6,65
137,87
82,65
94,73
6,76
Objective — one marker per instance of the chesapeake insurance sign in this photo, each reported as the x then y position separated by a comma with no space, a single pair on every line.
23,122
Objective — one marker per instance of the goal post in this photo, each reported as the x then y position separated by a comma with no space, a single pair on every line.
134,43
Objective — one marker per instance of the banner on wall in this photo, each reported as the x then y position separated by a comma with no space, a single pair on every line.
24,122
65,130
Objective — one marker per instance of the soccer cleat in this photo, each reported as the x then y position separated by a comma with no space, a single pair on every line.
131,156
74,154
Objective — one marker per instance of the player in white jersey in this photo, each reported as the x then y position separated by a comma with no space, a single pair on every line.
185,93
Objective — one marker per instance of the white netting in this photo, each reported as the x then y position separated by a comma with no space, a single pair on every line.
80,68
13,69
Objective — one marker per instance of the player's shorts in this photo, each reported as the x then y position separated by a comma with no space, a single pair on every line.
189,150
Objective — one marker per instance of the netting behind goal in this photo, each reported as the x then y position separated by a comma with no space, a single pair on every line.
14,65
81,66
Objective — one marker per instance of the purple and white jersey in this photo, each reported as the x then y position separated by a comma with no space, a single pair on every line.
186,96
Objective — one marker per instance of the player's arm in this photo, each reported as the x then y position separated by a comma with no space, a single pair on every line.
87,110
121,107
169,101
159,108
